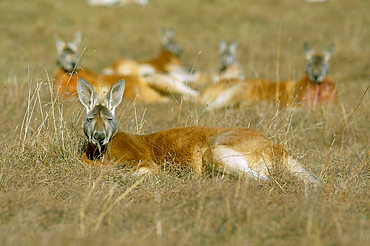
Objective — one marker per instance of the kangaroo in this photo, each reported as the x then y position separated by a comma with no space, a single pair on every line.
163,73
233,151
230,73
230,70
167,60
68,73
230,67
313,89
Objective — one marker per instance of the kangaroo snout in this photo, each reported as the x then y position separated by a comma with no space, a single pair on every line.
99,138
316,78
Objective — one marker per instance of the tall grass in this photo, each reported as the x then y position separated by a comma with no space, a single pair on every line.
48,197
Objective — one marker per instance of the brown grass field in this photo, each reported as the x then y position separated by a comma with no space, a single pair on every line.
48,197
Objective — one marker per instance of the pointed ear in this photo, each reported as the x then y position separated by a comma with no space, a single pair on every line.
166,35
169,33
329,51
115,94
308,51
86,94
233,47
222,45
76,41
59,43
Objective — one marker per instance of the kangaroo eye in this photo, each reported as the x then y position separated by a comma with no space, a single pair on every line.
110,119
89,119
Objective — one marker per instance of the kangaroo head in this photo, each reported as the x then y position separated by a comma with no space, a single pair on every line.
169,43
67,53
101,123
317,67
227,54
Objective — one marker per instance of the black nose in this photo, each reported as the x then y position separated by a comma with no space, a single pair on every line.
99,137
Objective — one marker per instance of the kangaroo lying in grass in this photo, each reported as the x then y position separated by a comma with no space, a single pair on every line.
234,151
313,89
137,87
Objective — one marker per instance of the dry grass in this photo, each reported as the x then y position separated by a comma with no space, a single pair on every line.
48,197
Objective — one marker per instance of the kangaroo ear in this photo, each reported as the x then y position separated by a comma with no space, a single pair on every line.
308,51
59,43
329,51
76,41
233,46
169,33
222,45
166,34
86,94
115,94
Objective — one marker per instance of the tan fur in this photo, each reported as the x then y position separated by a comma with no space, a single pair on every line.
166,61
284,93
232,91
137,87
164,73
68,74
232,151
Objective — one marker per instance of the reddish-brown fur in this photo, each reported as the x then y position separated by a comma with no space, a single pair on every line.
68,74
302,92
137,88
231,91
232,151
164,62
182,145
284,93
167,60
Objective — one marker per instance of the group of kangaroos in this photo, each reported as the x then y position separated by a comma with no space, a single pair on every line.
214,150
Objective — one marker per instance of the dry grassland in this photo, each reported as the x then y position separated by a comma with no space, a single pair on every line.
48,197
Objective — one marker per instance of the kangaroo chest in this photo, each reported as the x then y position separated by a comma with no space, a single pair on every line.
323,92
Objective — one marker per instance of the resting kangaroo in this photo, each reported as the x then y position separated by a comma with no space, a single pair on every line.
234,151
314,88
164,73
137,87
230,67
167,60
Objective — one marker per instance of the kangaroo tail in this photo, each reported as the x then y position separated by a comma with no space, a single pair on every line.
302,173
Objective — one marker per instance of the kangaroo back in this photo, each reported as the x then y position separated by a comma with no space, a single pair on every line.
167,60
